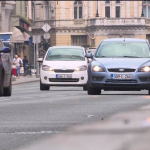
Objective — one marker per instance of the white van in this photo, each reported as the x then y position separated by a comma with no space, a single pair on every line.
64,66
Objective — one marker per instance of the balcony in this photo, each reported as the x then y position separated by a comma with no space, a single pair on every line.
116,21
82,23
40,24
147,21
60,23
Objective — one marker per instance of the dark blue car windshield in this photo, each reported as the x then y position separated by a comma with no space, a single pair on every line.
123,49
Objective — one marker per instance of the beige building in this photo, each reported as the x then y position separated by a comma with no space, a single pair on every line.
88,22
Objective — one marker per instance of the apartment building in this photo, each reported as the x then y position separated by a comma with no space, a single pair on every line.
88,22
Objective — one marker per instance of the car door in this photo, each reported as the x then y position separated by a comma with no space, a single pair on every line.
6,61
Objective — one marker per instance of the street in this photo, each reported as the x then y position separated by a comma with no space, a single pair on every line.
30,115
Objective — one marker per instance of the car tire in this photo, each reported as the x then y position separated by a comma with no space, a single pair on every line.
94,91
44,87
148,92
8,90
1,85
85,88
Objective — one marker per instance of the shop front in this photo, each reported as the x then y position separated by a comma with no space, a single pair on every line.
20,36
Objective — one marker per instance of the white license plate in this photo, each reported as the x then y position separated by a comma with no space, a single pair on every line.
121,76
63,76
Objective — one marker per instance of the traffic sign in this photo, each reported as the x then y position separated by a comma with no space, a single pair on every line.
46,27
46,36
36,39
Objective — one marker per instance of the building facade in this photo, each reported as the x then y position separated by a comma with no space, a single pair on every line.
20,26
88,22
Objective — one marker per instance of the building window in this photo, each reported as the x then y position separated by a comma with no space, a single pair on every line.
78,40
78,10
146,9
107,1
107,11
33,11
46,10
117,1
117,11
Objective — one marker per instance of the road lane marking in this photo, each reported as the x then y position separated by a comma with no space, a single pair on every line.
40,132
5,100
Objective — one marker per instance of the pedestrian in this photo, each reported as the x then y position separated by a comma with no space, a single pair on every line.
20,61
17,64
14,69
25,63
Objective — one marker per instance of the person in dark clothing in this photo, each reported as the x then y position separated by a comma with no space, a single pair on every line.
25,65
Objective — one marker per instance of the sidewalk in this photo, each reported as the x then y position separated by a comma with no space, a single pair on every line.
26,79
125,131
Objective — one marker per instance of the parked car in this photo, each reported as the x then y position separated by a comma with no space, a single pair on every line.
121,64
63,65
91,50
5,71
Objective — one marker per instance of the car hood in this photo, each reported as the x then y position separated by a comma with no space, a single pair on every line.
65,64
123,62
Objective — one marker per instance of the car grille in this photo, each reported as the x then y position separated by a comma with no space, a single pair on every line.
63,71
120,81
63,79
118,70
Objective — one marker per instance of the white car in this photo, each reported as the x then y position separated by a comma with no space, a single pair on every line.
64,66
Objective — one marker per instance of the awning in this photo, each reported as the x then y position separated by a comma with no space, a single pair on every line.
26,36
18,37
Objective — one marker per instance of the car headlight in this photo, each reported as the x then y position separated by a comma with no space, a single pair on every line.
46,68
81,68
97,69
145,69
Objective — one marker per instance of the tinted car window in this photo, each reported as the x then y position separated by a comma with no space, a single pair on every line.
122,49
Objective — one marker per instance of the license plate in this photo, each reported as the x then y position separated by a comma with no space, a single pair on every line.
121,76
63,76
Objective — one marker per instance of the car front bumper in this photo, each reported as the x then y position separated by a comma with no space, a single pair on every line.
78,78
103,80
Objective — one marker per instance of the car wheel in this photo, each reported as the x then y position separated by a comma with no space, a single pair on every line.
85,88
148,92
8,90
94,91
1,85
44,87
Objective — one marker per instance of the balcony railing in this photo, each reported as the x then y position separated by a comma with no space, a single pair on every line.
92,22
116,21
147,21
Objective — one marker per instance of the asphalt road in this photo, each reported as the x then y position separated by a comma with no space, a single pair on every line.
31,115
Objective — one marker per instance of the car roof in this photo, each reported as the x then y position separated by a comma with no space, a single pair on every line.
66,47
124,39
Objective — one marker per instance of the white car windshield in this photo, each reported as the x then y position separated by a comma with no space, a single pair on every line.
123,49
65,54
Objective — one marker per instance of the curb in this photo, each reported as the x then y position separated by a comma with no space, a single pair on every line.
24,82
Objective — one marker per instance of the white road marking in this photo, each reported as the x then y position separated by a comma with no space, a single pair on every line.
40,132
89,116
28,97
5,100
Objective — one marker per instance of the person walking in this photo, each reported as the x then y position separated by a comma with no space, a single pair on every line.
25,63
17,64
20,61
14,69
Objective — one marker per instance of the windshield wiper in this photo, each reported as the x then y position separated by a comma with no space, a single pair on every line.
131,56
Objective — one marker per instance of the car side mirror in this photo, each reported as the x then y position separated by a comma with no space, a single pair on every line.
40,60
89,55
5,50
